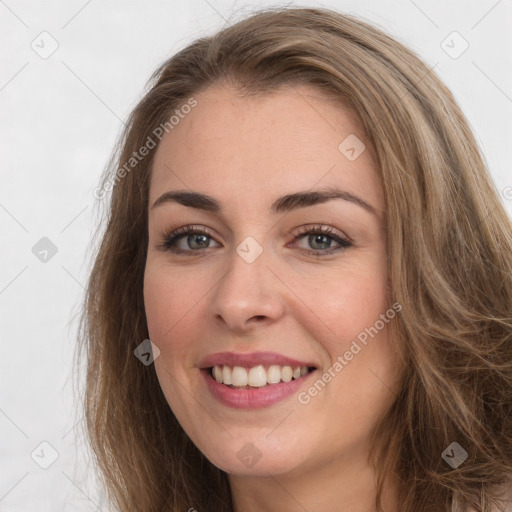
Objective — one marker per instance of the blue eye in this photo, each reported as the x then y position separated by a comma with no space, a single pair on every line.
193,236
321,236
197,239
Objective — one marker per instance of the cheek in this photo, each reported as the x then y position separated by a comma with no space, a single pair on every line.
334,308
171,297
177,314
341,306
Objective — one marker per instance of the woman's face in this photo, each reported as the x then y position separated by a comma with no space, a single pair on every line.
254,293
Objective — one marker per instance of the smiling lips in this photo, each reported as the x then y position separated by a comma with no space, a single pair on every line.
253,380
256,376
251,359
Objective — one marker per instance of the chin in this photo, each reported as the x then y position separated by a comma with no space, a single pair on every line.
259,457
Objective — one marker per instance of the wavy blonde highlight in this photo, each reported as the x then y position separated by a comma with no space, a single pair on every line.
449,261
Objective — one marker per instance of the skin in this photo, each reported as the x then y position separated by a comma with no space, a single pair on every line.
247,152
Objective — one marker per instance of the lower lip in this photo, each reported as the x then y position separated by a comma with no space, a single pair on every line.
253,398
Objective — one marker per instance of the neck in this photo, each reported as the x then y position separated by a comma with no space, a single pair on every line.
344,487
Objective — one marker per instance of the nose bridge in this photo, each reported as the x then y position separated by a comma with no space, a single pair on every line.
248,289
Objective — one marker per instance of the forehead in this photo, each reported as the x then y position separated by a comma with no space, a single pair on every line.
239,148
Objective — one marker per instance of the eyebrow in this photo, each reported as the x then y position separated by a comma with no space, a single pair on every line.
283,204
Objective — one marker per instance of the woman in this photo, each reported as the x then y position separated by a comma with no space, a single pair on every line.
302,299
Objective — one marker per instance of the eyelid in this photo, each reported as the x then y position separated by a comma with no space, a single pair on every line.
302,229
322,228
172,235
344,242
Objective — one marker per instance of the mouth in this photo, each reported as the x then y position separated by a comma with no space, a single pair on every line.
257,377
249,388
254,380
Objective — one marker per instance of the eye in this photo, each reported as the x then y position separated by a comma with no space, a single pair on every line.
192,238
195,239
320,238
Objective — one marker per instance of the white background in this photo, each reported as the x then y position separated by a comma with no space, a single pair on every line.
59,120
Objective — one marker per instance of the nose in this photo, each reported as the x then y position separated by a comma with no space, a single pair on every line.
248,295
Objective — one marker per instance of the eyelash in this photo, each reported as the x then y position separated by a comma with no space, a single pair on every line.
171,238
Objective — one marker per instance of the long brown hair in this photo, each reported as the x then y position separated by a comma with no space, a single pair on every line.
450,266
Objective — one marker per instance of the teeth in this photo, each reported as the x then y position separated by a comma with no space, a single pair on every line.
217,373
226,375
257,376
239,376
274,374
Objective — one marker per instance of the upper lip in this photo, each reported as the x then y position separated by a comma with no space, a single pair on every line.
251,359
